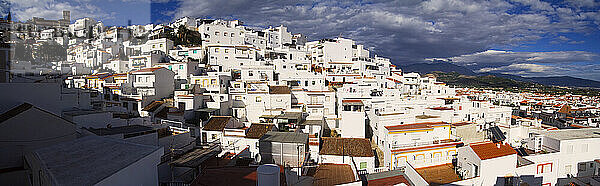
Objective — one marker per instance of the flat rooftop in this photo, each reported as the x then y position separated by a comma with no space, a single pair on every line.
439,175
238,175
121,130
82,112
69,163
572,134
285,137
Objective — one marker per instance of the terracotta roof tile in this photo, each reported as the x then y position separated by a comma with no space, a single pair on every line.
152,69
393,180
217,123
279,90
152,106
333,174
489,150
257,130
355,147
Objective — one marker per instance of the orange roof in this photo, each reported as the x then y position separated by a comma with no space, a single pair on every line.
441,108
392,180
565,109
449,98
489,150
425,125
395,81
579,126
152,69
461,123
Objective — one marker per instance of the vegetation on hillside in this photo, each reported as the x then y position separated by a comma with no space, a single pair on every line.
185,37
505,84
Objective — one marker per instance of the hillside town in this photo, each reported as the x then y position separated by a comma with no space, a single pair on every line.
214,102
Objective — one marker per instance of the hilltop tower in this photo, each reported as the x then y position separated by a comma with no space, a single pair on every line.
67,15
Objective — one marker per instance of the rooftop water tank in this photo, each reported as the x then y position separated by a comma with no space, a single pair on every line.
268,175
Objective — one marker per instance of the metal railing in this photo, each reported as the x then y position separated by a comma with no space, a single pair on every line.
414,144
174,183
380,169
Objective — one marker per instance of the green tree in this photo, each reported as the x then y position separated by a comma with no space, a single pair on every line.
22,52
47,52
184,36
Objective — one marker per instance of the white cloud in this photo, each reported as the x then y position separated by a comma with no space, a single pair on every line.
498,57
407,31
521,69
23,10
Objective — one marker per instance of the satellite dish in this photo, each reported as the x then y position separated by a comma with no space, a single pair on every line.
257,158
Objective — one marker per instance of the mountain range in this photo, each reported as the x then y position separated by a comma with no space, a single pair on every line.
563,81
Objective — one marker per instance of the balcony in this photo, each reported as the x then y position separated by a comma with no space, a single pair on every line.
316,103
420,143
237,90
143,84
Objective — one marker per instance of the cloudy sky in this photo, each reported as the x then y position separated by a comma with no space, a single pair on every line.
522,37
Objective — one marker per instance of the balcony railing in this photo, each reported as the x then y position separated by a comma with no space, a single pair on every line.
420,143
380,169
237,90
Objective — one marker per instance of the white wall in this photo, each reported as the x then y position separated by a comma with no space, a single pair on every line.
352,124
142,172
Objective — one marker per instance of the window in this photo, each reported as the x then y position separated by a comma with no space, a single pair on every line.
363,165
327,98
226,51
180,66
224,33
216,50
258,99
569,149
584,147
544,168
231,34
216,33
568,169
195,51
582,167
238,98
214,136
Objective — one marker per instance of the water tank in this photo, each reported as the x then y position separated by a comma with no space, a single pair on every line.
268,175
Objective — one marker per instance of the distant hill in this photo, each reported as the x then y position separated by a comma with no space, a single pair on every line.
426,68
508,84
485,81
566,81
